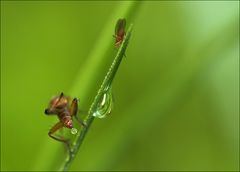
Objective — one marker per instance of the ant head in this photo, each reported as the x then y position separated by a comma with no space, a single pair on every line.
57,104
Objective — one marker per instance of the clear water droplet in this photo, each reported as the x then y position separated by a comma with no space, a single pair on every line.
74,131
105,106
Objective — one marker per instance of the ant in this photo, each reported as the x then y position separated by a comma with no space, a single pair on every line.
60,106
119,31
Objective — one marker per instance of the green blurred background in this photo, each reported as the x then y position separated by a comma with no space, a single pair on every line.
176,93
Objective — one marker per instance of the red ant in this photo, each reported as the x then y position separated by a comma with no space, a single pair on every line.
119,31
60,106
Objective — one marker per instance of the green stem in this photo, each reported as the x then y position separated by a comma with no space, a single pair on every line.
105,84
78,143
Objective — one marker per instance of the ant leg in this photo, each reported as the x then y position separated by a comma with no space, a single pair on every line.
80,121
53,130
73,111
117,44
74,107
60,97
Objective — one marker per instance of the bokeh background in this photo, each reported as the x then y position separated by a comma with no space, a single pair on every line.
176,93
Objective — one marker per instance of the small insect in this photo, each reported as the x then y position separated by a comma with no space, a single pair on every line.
61,107
119,31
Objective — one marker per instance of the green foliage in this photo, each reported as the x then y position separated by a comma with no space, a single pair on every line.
176,93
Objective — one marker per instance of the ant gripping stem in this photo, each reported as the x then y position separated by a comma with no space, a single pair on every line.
60,106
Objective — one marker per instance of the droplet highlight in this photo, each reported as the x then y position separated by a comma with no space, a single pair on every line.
105,106
74,131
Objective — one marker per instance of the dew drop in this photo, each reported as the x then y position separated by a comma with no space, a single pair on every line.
105,106
74,131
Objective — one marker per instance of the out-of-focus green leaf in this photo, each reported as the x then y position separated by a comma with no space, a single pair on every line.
176,93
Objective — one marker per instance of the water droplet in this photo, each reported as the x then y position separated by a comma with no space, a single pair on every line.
105,106
74,131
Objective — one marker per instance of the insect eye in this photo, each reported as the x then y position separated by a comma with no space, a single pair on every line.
60,106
